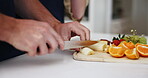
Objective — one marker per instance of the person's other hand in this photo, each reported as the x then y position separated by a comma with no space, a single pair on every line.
30,35
71,29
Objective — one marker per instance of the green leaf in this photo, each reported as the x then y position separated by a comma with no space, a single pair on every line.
114,38
119,35
123,36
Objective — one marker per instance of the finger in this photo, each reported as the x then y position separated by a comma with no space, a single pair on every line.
32,51
55,35
43,49
66,36
80,33
52,43
58,39
87,32
79,30
52,46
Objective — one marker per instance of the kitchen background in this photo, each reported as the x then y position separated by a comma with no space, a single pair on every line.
116,16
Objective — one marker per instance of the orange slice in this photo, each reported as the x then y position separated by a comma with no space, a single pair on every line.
116,51
132,54
130,45
122,44
138,44
126,45
143,50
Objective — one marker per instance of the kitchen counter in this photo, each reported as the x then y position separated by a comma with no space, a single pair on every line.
60,64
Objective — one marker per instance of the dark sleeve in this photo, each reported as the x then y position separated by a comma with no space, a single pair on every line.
56,7
7,51
7,8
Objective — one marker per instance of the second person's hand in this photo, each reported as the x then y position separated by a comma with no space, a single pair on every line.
71,29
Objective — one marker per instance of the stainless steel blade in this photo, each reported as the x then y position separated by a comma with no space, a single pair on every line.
78,44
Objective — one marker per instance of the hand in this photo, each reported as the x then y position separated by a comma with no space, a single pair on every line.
28,35
71,29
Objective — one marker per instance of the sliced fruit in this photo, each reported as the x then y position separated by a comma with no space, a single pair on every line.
127,45
112,45
136,39
108,42
121,40
87,51
123,45
116,42
106,48
100,46
143,40
132,54
130,45
138,44
143,50
116,51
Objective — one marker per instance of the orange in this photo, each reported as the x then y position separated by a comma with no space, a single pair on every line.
116,51
138,44
127,45
130,45
122,44
112,45
143,50
132,54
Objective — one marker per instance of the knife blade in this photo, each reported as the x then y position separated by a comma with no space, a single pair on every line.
78,44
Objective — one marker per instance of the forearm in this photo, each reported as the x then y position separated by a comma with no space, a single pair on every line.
78,8
6,24
33,9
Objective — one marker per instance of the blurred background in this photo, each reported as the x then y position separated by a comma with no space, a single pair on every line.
116,16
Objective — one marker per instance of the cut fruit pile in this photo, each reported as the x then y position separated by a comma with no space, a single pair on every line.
126,48
119,47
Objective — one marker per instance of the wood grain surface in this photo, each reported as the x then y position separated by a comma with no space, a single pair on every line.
105,57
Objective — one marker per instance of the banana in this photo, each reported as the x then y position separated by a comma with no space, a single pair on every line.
87,51
100,46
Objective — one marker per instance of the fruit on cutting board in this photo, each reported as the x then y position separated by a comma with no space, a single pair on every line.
136,39
116,51
132,46
143,50
87,51
100,46
123,45
132,53
127,45
118,40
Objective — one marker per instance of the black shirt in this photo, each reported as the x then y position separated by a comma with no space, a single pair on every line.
56,7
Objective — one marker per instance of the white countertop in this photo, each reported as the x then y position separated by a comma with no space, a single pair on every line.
61,65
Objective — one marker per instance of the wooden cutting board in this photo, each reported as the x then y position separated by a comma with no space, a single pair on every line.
105,57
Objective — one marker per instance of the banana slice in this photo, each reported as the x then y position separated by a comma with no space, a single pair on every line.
87,51
106,49
100,46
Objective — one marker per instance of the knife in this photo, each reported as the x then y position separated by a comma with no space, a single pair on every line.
78,44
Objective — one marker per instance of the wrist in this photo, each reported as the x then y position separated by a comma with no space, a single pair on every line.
56,26
6,28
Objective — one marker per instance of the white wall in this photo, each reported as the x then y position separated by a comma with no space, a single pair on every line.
140,16
147,18
100,15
